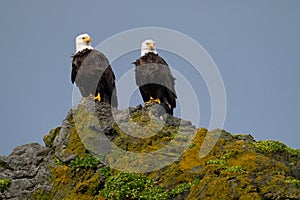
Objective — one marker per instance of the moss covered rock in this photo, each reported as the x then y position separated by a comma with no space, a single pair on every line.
237,167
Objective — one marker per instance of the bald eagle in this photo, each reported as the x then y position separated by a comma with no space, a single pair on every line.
92,73
154,78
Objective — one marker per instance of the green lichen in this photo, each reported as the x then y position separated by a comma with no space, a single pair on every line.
4,184
57,161
271,146
135,186
126,186
293,181
88,162
234,169
224,167
216,162
183,187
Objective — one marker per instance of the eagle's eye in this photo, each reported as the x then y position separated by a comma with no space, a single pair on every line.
83,38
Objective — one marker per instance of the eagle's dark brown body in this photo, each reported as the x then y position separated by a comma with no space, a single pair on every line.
92,74
154,78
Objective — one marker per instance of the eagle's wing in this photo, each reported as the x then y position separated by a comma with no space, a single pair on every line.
151,68
93,74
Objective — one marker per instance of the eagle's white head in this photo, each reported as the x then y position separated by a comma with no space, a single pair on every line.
83,41
148,46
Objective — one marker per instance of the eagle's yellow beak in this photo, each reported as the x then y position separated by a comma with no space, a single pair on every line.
151,45
87,40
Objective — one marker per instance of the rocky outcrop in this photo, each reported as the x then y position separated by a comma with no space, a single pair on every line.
95,151
29,168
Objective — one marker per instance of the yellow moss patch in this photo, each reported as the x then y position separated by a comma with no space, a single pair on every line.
49,138
89,186
190,158
224,188
61,174
72,184
75,145
83,197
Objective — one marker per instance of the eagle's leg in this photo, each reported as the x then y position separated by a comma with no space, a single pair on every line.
96,98
151,100
156,100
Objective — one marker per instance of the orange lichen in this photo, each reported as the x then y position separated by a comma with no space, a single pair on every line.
190,158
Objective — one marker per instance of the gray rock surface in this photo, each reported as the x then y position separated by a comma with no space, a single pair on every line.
28,167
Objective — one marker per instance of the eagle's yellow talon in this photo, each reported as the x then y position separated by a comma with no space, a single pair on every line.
151,100
156,100
96,98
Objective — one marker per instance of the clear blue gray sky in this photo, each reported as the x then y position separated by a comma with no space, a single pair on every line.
255,45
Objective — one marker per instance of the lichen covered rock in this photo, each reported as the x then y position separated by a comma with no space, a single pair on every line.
143,153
